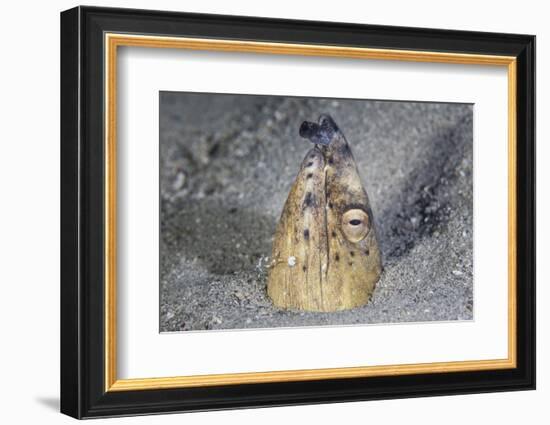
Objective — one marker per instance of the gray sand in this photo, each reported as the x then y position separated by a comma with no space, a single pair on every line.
227,164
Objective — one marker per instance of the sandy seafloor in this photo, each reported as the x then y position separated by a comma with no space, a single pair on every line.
227,163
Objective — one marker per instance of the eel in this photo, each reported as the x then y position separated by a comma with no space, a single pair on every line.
325,254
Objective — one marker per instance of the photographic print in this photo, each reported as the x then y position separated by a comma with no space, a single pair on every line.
289,212
331,212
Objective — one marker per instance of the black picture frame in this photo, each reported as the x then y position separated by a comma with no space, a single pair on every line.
83,392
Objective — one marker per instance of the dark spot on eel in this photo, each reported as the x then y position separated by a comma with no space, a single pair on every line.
309,164
367,252
308,200
304,268
352,253
306,234
345,149
330,205
350,263
310,175
333,234
337,257
330,161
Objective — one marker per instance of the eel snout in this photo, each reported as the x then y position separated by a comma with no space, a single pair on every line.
321,132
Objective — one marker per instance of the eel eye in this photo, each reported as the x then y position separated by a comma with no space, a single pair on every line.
355,224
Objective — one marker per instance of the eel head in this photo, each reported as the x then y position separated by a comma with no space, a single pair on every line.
325,252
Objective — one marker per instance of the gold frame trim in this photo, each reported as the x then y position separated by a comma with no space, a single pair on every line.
113,41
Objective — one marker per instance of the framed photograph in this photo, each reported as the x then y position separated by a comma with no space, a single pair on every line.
261,212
